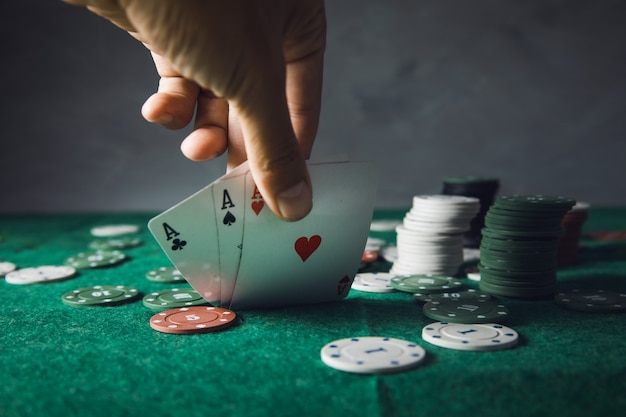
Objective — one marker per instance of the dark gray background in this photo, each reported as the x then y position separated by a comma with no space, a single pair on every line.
532,92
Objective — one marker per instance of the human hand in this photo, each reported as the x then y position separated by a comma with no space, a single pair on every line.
251,69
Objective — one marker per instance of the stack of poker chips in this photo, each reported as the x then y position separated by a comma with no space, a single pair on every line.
572,225
430,238
484,189
518,251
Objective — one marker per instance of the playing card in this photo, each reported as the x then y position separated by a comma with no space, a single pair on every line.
312,260
187,233
228,198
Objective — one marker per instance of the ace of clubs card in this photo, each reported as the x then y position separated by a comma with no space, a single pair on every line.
188,234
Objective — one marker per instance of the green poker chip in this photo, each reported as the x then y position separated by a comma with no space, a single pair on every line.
469,294
535,202
517,245
115,243
466,311
524,275
95,259
165,274
519,214
173,298
540,290
425,283
100,295
596,301
494,223
521,279
470,179
527,234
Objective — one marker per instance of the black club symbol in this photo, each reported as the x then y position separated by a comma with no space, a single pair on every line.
178,244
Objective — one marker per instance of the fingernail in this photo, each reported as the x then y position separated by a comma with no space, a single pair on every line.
295,202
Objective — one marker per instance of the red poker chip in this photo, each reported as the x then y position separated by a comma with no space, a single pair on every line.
191,320
609,235
369,256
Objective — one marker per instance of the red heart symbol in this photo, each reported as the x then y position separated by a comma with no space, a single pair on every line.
257,206
343,284
305,246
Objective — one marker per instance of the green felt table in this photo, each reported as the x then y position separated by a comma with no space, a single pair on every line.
57,360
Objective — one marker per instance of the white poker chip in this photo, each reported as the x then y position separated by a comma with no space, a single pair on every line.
390,253
114,230
373,282
6,267
372,355
384,225
375,244
474,276
471,254
475,337
40,274
438,200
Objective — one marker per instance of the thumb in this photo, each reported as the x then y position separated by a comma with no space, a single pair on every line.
277,163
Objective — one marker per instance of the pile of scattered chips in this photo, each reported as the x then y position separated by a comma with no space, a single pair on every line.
484,189
569,239
430,240
518,252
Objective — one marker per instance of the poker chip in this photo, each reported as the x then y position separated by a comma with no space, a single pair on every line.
369,256
100,295
474,276
114,230
375,244
519,246
6,267
474,337
465,311
390,253
40,274
571,224
372,355
379,282
471,254
165,274
469,294
607,235
95,259
190,320
173,298
115,243
430,238
425,283
384,225
482,188
597,301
